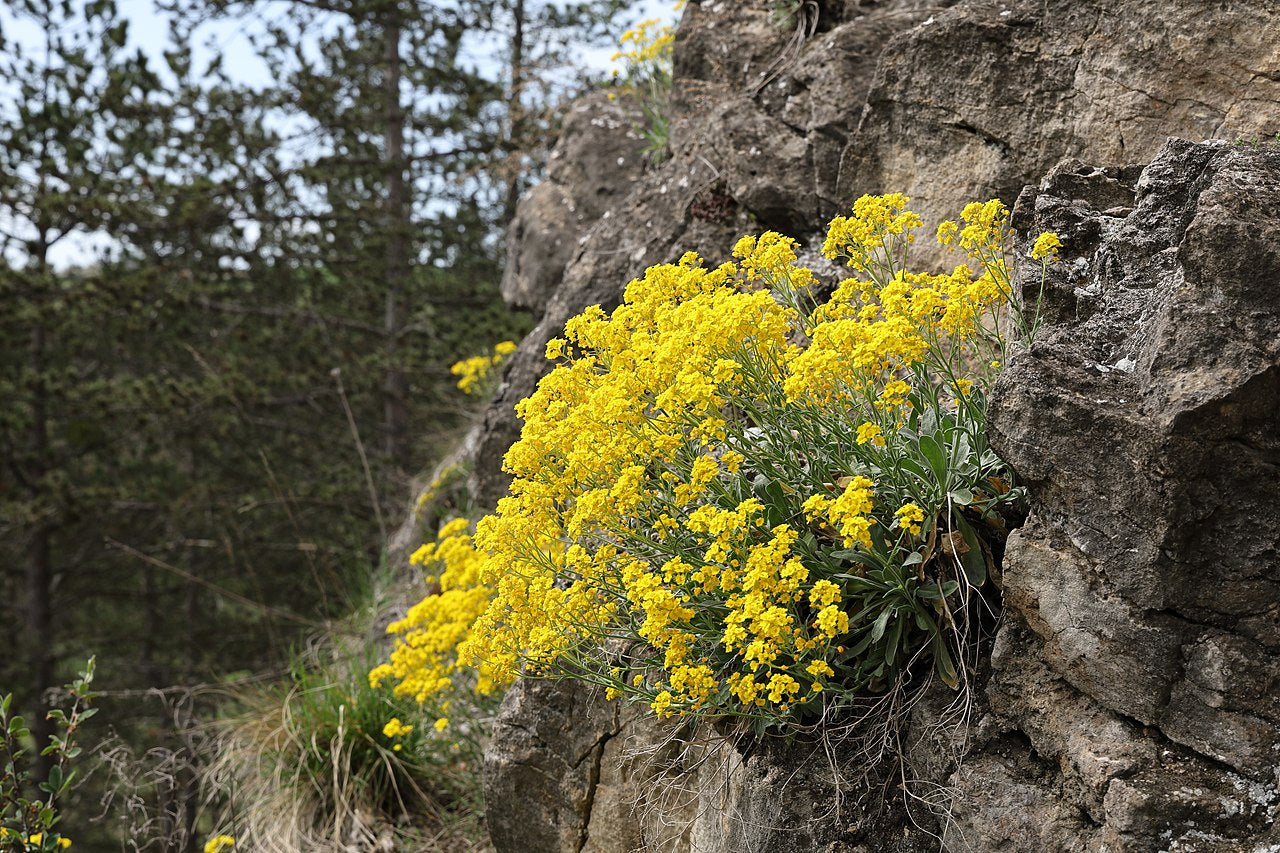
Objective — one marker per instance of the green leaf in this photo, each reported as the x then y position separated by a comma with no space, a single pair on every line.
936,458
934,593
858,555
17,726
973,561
961,496
891,647
877,630
860,647
961,449
942,663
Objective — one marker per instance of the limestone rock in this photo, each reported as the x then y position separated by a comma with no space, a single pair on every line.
1131,699
986,96
1145,422
542,766
596,159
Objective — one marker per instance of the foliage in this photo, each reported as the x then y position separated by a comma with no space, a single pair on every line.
29,823
729,500
325,757
186,484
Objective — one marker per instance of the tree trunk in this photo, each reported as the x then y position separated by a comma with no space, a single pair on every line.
515,113
395,386
40,567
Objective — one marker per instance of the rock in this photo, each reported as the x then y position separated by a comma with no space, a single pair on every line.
987,96
596,159
1144,422
1130,701
543,764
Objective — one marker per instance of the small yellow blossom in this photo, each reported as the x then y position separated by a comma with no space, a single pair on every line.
1046,247
473,372
219,843
395,728
870,432
910,518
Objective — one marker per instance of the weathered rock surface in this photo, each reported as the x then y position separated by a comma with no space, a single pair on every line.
596,159
1132,701
1146,422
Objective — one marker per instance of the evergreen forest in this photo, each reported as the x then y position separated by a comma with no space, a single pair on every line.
237,260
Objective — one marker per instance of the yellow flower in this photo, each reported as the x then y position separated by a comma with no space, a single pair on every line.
870,432
473,372
395,728
947,232
1046,247
910,518
219,843
442,724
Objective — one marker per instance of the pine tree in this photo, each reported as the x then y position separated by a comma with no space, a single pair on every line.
68,88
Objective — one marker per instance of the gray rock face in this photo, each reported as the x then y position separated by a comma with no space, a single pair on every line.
1146,422
1132,698
597,158
987,96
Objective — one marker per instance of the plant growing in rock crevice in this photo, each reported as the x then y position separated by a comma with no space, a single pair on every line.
645,54
730,501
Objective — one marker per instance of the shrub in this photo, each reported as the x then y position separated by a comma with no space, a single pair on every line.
29,819
729,500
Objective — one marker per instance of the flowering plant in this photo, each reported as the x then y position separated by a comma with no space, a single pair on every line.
476,374
731,500
645,54
29,822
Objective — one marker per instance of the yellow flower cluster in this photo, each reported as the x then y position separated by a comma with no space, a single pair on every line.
1046,247
472,372
35,841
394,728
648,41
702,511
219,843
424,661
910,517
848,513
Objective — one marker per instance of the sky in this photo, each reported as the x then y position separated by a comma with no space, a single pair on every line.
148,30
